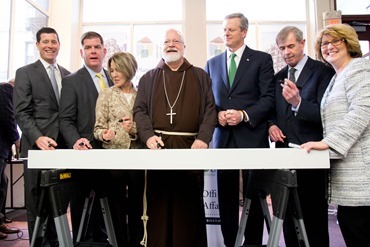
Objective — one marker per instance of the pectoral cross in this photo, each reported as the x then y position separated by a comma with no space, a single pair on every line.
171,114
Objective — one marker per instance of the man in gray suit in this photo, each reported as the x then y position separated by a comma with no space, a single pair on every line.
77,118
36,97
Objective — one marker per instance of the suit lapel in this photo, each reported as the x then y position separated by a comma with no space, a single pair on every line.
223,70
286,106
305,74
63,72
39,67
243,66
88,81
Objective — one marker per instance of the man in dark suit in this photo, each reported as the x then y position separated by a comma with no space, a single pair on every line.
297,120
77,118
244,105
36,97
8,136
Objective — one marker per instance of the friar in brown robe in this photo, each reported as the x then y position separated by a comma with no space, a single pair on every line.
175,108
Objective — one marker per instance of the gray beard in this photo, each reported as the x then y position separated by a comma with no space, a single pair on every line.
171,57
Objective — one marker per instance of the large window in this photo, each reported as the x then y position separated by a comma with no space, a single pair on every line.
353,7
124,28
4,41
19,48
128,26
357,14
265,17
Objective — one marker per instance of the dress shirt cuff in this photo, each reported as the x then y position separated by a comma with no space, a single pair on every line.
295,109
244,116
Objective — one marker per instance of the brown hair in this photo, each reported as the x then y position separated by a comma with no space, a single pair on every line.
125,62
90,35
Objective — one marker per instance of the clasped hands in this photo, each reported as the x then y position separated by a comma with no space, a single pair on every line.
230,117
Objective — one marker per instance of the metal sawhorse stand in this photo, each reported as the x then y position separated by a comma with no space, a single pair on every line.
282,185
89,201
55,196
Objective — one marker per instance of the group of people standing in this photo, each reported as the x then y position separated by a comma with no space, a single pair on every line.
236,102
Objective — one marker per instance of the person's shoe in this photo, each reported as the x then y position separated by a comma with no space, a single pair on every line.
8,230
6,220
3,235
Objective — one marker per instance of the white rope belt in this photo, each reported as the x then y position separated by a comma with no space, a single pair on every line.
173,133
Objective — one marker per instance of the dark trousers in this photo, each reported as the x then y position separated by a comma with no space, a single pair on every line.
354,222
312,184
228,197
83,182
126,205
3,187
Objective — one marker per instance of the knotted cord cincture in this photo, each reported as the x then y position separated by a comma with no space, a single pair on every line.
144,217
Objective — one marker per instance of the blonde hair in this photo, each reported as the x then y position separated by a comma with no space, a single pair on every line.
340,31
125,63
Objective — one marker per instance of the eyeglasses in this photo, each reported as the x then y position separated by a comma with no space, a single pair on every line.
334,42
175,42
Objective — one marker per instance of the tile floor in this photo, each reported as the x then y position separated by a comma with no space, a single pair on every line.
21,239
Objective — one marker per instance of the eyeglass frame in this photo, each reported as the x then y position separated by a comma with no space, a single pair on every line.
175,42
334,42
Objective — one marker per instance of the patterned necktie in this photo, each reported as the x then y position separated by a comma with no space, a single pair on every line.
54,81
232,69
291,74
101,81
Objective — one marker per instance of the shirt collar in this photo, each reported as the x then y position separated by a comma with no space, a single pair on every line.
46,64
93,73
301,64
238,52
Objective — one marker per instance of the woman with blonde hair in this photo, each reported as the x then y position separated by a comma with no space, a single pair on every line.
345,114
116,128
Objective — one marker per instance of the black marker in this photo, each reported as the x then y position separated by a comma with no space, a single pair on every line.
83,144
50,145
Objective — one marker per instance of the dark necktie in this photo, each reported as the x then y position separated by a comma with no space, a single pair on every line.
291,74
232,69
54,81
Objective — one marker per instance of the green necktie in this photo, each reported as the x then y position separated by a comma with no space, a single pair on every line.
232,69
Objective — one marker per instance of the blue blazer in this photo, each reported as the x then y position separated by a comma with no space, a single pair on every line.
252,91
306,124
8,127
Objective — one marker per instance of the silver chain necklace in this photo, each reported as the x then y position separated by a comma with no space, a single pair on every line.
171,113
